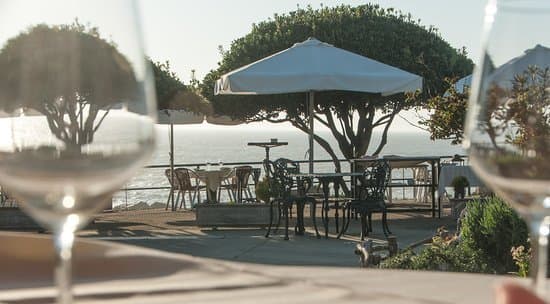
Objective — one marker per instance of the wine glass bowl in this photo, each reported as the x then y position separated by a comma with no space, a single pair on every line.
77,111
507,131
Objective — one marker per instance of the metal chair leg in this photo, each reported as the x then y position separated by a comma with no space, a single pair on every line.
364,229
285,212
279,208
168,201
190,199
177,200
313,206
346,215
385,223
270,219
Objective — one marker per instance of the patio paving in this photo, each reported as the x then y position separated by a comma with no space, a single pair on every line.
176,232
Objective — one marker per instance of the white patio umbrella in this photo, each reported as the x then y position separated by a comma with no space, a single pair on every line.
313,66
503,75
539,56
188,108
463,83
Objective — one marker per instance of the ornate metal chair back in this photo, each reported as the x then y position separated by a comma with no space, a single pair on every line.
280,179
375,181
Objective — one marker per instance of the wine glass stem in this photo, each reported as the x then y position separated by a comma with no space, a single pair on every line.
540,230
63,241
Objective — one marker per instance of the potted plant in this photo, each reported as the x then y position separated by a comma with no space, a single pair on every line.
263,191
460,183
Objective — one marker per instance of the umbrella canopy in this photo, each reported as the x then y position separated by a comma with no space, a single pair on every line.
503,76
312,66
463,83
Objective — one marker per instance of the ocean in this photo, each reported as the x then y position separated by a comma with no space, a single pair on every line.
203,143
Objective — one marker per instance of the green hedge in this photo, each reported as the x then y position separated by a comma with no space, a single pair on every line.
489,230
442,256
493,227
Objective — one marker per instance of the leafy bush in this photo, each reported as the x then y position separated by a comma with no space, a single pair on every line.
493,228
403,260
522,258
493,240
460,182
439,256
263,192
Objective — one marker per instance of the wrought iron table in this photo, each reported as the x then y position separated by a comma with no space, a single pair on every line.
268,145
325,179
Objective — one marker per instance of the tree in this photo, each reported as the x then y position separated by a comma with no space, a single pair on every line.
381,34
69,74
521,113
523,120
173,94
448,113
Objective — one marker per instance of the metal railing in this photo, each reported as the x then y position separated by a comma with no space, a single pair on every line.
402,182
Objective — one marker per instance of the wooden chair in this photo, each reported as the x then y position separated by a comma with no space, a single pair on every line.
182,183
237,184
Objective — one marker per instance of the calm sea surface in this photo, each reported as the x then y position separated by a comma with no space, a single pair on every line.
199,144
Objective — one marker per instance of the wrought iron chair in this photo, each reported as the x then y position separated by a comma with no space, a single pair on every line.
372,187
282,185
182,183
237,184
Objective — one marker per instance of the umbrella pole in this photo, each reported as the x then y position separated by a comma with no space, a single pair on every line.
311,102
172,165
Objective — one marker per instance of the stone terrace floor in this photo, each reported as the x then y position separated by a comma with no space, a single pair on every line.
177,232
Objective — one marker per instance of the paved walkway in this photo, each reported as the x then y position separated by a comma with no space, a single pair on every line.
176,232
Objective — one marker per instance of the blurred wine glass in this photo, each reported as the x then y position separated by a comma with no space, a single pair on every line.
77,111
508,124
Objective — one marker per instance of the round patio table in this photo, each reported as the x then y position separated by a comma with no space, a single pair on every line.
268,145
108,272
213,179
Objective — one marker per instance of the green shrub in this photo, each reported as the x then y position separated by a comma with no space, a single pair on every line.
403,260
268,188
522,258
493,228
263,192
439,256
460,182
493,239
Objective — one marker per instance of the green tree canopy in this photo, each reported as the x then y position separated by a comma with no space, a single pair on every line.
447,114
68,73
173,94
382,34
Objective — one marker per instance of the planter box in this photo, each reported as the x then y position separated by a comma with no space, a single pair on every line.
15,218
234,215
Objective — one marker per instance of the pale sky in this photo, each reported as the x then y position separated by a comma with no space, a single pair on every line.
187,33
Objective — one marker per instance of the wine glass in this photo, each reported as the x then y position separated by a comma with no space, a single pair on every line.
78,111
508,125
